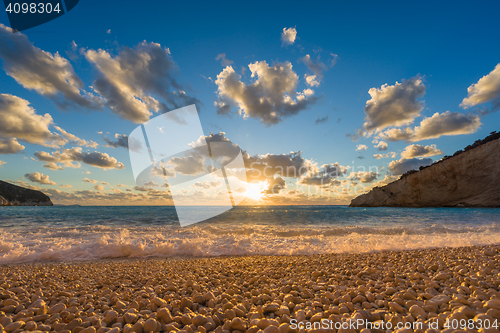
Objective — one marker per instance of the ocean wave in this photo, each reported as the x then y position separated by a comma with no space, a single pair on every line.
25,245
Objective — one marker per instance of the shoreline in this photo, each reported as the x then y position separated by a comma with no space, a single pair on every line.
253,293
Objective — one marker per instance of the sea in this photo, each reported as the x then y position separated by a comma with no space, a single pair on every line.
75,233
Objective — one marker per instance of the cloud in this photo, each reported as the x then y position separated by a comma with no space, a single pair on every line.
99,187
40,178
321,120
121,185
317,67
188,165
65,186
19,120
206,184
10,146
325,176
447,123
92,181
487,89
69,156
361,147
132,81
401,166
312,80
394,105
46,73
381,146
276,184
363,177
121,141
223,60
2,163
52,166
288,36
271,97
264,167
76,140
387,179
379,156
412,151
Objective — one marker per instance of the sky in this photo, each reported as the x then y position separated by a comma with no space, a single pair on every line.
350,94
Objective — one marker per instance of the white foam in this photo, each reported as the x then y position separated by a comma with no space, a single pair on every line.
99,242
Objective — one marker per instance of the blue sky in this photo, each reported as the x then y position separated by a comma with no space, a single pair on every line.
448,45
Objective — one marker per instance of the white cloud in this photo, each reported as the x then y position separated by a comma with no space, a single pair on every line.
92,181
19,120
379,156
361,147
412,151
447,123
487,89
271,97
132,81
381,146
288,36
40,178
207,184
66,186
394,105
10,146
401,166
311,80
76,140
48,74
52,166
2,163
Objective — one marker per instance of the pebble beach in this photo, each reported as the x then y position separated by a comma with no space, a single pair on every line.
267,294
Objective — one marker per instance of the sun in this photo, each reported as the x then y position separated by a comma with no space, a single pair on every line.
256,191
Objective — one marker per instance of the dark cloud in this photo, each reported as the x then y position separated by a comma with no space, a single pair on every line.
401,166
69,156
121,141
40,178
321,120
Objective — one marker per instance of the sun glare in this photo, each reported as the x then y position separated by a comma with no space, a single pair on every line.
256,191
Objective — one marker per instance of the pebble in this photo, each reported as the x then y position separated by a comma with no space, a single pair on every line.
252,294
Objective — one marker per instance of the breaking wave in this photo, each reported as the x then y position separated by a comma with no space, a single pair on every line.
35,244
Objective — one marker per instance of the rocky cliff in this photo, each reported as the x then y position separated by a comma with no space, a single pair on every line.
13,195
468,179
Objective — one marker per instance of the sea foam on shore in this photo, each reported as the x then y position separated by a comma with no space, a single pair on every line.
25,245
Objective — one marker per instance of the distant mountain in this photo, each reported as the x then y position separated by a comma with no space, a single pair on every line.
13,195
469,178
